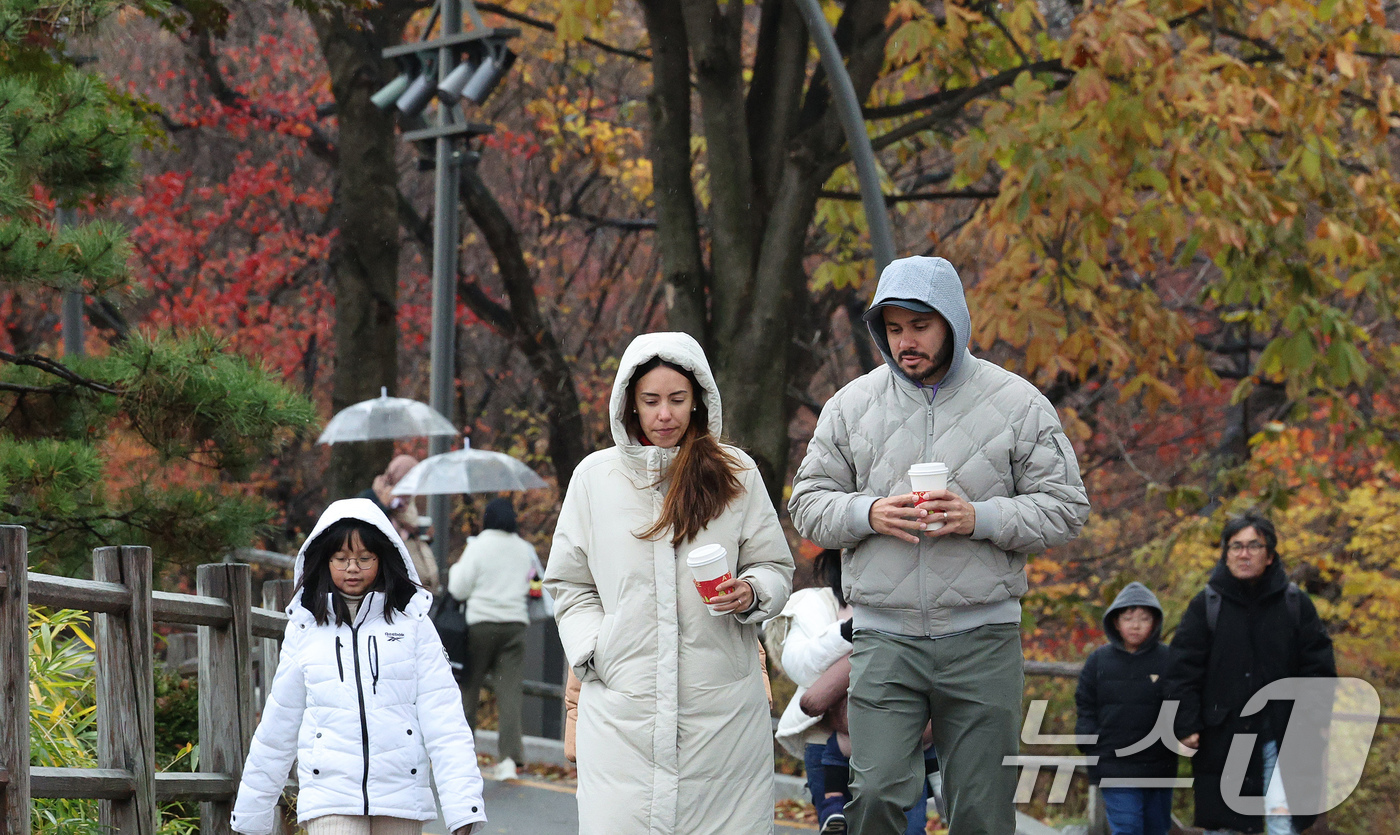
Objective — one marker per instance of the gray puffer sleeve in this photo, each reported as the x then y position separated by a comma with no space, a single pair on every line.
825,505
1051,505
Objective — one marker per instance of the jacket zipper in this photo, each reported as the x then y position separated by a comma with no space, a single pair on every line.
339,664
928,452
373,654
360,691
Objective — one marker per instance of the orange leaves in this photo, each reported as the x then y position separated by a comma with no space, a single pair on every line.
603,132
914,36
902,11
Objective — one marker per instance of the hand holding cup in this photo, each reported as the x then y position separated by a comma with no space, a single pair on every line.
714,581
931,509
927,482
735,597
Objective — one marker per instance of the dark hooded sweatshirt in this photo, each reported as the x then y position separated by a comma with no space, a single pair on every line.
1120,696
1213,673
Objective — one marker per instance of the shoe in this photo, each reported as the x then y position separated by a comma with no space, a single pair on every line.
835,825
504,770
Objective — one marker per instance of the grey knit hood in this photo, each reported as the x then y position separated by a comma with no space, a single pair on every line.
932,282
1133,594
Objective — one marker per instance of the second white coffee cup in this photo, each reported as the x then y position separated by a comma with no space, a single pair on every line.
926,478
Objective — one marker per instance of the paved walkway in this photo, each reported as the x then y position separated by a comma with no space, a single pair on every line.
537,807
530,807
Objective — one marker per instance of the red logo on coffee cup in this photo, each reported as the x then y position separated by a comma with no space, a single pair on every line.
921,496
709,589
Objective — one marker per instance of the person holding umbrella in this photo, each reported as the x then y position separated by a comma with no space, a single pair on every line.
673,732
403,512
493,579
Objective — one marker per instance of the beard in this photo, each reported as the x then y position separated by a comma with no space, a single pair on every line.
938,364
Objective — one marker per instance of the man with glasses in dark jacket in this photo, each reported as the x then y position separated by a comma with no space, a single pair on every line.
1248,628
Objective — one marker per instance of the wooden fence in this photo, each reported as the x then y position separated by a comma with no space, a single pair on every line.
124,608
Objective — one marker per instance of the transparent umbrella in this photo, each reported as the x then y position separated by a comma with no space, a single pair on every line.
385,417
467,471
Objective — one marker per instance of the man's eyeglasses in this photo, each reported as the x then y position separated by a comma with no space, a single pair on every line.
1255,547
343,563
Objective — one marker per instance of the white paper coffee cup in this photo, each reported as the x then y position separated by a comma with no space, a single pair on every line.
927,478
710,565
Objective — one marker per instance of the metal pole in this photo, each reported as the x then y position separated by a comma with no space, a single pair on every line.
843,93
445,243
72,299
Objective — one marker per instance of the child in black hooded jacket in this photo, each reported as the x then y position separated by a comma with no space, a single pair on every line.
1119,699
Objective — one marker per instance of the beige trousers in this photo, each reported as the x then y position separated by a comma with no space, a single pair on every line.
362,825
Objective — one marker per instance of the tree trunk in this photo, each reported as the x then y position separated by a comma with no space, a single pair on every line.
678,224
365,258
769,149
528,329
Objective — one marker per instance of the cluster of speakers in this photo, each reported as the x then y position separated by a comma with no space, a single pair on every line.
473,78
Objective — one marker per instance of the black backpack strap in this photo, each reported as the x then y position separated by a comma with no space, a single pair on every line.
1292,598
1212,607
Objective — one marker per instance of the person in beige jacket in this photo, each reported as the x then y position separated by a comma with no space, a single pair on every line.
673,732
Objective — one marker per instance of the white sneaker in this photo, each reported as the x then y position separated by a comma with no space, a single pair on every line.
503,770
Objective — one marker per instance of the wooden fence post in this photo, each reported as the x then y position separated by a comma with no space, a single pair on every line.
125,690
14,679
225,685
276,594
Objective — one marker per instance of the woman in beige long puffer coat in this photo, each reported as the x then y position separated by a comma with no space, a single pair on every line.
673,734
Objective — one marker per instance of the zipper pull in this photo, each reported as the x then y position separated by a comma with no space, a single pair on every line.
339,665
374,664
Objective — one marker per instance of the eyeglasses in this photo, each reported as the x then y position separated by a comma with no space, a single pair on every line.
1255,547
343,563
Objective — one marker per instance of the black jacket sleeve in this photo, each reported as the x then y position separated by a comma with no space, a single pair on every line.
1186,669
1315,658
1086,701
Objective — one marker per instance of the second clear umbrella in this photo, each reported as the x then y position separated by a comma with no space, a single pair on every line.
468,471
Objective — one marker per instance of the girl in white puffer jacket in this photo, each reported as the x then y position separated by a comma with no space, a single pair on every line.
363,697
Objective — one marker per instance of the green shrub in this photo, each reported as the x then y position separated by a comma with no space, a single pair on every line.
63,722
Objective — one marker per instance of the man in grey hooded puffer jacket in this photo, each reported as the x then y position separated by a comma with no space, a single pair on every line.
936,626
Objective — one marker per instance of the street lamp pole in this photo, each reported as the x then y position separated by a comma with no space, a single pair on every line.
843,93
446,236
454,67
72,299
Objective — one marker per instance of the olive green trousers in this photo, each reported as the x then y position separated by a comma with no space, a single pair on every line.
969,686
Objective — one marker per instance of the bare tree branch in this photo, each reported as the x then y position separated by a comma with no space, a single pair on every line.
546,26
918,196
58,370
961,95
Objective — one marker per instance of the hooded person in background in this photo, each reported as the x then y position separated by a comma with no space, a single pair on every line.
1118,700
403,512
493,579
936,623
674,732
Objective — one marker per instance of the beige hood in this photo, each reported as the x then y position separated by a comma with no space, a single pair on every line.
674,347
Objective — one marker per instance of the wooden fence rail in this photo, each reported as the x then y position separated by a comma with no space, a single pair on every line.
124,608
